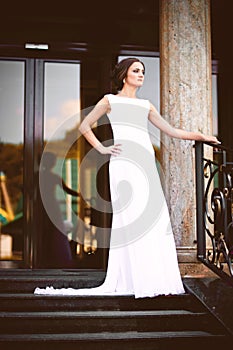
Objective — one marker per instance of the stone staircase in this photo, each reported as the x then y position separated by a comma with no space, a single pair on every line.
31,321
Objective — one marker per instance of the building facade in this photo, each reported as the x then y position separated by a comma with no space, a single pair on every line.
55,63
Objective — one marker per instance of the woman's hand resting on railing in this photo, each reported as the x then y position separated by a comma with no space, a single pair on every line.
210,139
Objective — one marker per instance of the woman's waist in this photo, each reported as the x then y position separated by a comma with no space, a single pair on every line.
132,150
134,144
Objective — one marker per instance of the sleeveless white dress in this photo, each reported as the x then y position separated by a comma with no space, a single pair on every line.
142,257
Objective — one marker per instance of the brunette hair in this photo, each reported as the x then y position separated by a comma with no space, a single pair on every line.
121,69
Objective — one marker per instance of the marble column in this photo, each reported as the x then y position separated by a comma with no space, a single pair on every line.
185,55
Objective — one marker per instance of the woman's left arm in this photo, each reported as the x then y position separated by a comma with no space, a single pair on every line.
157,120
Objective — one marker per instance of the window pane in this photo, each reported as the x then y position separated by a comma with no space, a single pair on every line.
62,99
215,103
60,162
11,159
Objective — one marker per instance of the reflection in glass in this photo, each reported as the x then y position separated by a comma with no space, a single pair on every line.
56,248
11,159
61,121
215,103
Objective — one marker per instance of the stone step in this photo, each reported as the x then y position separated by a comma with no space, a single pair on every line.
99,322
114,341
106,321
30,302
26,281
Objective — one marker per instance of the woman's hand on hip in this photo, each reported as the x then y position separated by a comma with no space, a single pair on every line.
113,150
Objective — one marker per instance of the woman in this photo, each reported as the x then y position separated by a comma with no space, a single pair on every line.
142,257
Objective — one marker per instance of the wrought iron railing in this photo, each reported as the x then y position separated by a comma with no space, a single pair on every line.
214,203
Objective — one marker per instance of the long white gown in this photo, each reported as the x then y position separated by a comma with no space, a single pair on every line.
142,257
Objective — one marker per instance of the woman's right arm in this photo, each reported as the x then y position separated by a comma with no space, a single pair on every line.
101,108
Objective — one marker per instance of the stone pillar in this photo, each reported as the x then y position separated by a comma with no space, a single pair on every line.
185,55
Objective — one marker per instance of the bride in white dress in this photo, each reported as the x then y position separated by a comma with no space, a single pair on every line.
142,257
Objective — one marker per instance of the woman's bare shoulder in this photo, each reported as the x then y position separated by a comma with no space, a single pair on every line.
104,102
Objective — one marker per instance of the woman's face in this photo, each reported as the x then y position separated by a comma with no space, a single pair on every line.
135,75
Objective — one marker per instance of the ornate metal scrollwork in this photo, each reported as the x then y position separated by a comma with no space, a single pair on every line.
218,213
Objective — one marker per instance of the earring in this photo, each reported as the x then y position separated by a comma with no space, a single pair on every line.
124,81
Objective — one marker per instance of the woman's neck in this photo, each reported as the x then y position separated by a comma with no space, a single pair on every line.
128,92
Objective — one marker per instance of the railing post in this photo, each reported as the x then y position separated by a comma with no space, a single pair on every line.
201,241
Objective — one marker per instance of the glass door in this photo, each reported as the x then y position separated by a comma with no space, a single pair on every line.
59,165
12,111
39,113
49,202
